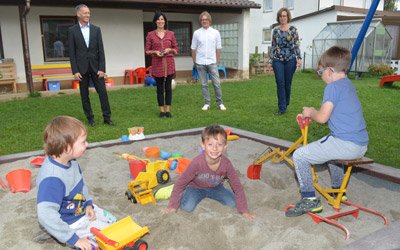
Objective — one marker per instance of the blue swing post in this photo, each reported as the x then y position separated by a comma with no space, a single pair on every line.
363,31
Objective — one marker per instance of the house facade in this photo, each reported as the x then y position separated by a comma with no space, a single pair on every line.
310,17
124,26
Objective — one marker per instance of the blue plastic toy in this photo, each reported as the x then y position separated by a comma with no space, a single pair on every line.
173,165
150,81
165,155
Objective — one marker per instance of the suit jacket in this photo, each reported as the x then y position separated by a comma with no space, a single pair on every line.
82,57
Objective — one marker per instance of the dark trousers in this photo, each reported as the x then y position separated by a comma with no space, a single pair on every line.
164,83
283,76
100,87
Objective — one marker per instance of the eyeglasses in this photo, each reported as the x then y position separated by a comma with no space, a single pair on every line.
204,19
322,69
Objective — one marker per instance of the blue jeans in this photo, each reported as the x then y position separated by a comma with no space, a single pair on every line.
283,76
192,196
211,69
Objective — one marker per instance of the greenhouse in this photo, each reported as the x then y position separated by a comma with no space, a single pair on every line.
375,49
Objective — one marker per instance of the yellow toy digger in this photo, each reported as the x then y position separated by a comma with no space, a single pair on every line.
253,171
140,189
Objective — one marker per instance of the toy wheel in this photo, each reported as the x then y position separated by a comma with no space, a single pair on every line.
129,196
162,176
140,245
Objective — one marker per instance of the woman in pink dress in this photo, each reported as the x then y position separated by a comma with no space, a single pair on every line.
161,45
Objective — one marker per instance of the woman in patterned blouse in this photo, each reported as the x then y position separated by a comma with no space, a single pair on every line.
161,45
285,56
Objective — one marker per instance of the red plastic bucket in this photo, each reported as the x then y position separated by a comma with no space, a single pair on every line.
19,180
136,166
183,163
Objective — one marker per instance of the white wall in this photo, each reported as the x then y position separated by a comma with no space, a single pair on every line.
122,31
260,19
308,29
11,35
243,22
365,4
121,42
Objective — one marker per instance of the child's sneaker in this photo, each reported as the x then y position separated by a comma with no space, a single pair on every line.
305,205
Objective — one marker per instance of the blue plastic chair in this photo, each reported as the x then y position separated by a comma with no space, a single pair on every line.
195,74
223,69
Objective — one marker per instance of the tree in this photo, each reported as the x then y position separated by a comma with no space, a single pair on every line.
390,5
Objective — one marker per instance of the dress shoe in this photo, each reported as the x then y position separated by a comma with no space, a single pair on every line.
109,122
91,122
162,114
168,114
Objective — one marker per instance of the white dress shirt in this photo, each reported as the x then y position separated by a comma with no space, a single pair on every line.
86,33
206,42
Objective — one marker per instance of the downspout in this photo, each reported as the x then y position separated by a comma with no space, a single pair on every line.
23,11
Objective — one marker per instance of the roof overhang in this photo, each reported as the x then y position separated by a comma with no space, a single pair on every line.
186,6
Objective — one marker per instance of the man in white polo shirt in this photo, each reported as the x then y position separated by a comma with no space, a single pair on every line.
206,50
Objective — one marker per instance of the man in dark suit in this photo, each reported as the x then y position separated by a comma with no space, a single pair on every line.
87,58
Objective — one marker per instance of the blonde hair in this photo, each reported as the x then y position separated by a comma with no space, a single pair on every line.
213,131
336,57
205,13
61,133
289,16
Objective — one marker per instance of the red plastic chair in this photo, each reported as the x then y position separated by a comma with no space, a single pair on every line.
129,73
140,75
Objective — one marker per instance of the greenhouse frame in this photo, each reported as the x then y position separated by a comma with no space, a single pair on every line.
376,47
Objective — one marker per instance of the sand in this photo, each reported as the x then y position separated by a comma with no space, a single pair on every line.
211,225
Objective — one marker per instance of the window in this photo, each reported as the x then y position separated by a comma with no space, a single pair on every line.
55,37
183,32
266,35
230,44
267,5
289,4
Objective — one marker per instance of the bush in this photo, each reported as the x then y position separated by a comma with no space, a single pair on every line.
254,59
380,70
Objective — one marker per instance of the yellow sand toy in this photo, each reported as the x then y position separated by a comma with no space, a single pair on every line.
253,171
140,189
124,234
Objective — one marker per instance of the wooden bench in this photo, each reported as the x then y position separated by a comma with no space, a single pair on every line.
336,198
8,75
46,72
388,80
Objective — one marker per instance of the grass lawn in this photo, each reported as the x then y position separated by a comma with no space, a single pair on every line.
250,106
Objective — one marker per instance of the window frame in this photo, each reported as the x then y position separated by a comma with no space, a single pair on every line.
189,25
285,4
268,40
66,21
265,6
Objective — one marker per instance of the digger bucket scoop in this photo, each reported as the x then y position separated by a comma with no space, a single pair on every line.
253,171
